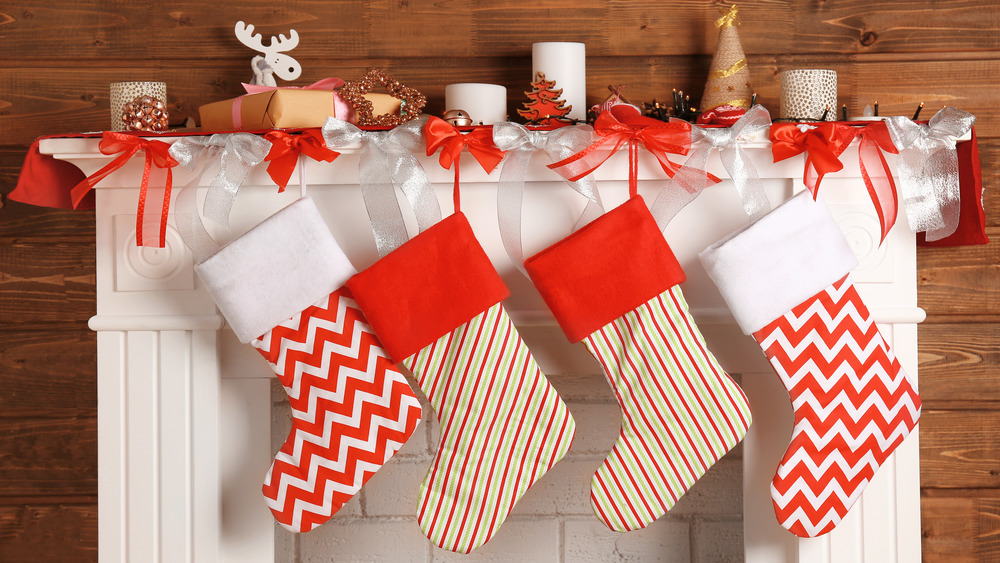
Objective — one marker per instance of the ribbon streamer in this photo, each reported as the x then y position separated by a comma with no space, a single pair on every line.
285,151
520,143
235,154
157,152
691,179
873,141
620,126
443,135
928,169
386,159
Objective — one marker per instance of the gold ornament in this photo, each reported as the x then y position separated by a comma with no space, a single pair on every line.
412,102
145,113
458,118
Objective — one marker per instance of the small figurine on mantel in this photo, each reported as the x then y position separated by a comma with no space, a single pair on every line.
615,98
273,60
545,105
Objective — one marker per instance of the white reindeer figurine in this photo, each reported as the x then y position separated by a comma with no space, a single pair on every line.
273,61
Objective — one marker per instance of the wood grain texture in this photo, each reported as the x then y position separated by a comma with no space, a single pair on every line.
38,30
961,281
959,449
48,457
963,526
53,534
48,373
46,283
959,363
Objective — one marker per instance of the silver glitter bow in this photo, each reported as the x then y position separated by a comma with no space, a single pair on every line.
691,179
520,144
928,169
234,154
386,159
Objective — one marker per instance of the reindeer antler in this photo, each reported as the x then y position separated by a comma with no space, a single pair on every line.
244,32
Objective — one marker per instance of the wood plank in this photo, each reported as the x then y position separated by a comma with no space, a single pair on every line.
94,30
959,362
55,534
48,457
960,525
48,372
989,159
959,449
960,280
46,283
52,100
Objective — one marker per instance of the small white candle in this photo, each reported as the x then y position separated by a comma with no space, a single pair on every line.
566,63
485,103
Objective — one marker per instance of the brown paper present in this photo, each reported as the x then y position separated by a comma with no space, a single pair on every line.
285,108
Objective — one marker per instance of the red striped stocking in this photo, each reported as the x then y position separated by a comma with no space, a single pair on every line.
613,285
785,278
435,302
279,286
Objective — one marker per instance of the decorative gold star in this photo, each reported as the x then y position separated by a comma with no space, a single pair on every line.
716,89
731,89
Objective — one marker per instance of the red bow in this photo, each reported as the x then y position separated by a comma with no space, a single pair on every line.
285,151
157,152
824,143
443,135
621,125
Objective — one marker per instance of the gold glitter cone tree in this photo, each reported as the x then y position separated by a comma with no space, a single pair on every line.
729,79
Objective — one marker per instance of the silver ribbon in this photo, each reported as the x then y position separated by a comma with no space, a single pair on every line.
928,169
235,154
520,144
386,159
691,179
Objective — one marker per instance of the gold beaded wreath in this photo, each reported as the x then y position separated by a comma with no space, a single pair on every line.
412,101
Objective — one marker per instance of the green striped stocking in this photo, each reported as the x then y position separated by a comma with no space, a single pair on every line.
613,285
502,424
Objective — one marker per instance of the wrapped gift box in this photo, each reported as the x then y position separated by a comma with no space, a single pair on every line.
285,108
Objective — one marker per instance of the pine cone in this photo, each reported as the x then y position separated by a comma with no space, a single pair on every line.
145,113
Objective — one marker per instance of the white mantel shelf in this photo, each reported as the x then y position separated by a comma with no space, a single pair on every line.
182,414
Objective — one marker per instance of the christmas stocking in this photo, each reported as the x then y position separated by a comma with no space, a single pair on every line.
786,280
280,288
435,303
613,285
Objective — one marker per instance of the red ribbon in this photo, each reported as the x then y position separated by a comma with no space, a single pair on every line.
443,135
824,143
285,151
157,152
620,125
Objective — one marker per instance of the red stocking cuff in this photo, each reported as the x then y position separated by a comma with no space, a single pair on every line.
605,269
427,287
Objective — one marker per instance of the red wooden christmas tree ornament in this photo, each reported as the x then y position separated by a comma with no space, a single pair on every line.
545,105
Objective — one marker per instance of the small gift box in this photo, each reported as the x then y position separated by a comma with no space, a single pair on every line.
281,108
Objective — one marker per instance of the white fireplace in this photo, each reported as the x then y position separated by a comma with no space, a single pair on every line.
185,411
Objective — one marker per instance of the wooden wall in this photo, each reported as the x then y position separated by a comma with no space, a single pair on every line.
58,59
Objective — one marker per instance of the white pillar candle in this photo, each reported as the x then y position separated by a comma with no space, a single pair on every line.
566,63
485,103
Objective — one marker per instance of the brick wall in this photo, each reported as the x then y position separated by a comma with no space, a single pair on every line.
553,522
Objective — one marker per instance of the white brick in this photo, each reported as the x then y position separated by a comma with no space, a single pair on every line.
365,541
285,545
597,428
718,542
555,354
719,491
583,388
395,489
419,444
565,489
591,541
520,541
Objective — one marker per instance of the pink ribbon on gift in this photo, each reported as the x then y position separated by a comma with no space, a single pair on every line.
324,84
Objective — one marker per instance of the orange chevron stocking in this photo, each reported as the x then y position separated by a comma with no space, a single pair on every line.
852,401
280,288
